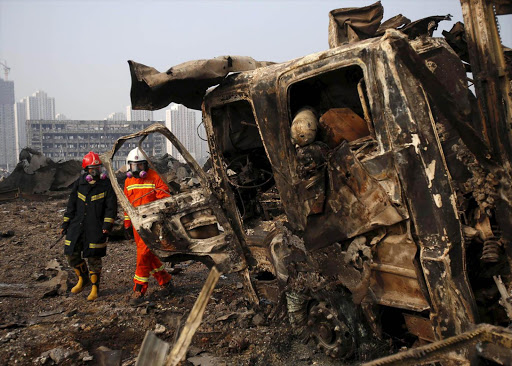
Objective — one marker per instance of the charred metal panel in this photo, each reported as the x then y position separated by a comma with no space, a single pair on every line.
492,84
442,254
185,83
431,200
394,279
420,327
382,169
356,203
354,24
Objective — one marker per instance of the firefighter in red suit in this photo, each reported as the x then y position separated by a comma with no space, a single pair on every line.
143,185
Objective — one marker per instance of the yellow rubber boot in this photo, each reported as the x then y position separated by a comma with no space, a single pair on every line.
95,280
83,279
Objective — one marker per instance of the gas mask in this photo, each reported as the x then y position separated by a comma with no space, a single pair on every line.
94,172
137,169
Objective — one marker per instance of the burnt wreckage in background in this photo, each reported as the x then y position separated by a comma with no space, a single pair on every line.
392,222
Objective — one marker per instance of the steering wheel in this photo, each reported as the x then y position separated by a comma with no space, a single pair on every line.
239,168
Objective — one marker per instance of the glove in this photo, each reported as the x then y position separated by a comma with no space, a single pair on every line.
63,231
128,233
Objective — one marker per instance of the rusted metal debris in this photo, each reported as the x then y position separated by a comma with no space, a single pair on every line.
185,83
381,218
489,342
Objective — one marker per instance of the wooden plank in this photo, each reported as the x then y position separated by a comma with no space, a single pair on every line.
194,319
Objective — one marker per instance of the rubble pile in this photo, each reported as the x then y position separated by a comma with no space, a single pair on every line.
36,173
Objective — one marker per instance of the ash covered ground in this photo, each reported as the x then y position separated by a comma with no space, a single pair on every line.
42,323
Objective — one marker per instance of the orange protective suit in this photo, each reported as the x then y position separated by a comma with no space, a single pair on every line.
140,191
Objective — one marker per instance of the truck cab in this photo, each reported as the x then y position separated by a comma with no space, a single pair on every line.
372,229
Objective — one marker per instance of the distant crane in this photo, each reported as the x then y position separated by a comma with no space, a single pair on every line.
6,68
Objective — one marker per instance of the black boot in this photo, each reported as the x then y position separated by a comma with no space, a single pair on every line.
137,296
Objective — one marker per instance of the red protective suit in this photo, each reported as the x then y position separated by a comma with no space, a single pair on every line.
140,191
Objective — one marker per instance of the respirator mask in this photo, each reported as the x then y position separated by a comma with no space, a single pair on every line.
94,172
137,169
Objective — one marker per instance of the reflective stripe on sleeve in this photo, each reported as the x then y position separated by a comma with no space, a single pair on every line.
67,242
66,219
108,219
81,196
157,270
97,246
141,279
140,186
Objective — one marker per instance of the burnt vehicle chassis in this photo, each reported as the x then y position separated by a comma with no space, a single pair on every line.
383,228
397,236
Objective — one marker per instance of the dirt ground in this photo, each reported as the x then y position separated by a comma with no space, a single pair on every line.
42,323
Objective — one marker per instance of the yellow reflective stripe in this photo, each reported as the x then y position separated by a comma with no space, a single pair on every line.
66,219
141,279
67,242
98,196
157,270
97,246
108,219
126,217
140,186
81,196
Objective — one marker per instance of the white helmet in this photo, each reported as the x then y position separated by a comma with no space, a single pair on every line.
304,127
134,156
134,168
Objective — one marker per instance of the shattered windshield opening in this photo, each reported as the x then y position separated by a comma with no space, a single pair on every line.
244,159
340,92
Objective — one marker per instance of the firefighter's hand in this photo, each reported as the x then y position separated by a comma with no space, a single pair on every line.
128,232
63,231
105,231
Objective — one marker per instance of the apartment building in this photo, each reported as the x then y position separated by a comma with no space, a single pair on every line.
72,139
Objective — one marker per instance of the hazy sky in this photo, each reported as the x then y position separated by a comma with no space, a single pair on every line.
76,51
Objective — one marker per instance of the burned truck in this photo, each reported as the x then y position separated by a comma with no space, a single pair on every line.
360,188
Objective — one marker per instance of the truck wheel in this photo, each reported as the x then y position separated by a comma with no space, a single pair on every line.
328,318
330,331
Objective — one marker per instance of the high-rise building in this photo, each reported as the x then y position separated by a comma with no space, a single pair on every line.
181,121
132,115
117,116
35,107
72,139
40,106
20,117
8,157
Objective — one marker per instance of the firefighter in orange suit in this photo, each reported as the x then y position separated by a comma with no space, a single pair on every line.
143,185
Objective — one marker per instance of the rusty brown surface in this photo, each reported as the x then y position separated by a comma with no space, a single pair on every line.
394,274
420,327
342,124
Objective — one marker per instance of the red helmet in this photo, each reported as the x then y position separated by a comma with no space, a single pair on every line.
91,159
